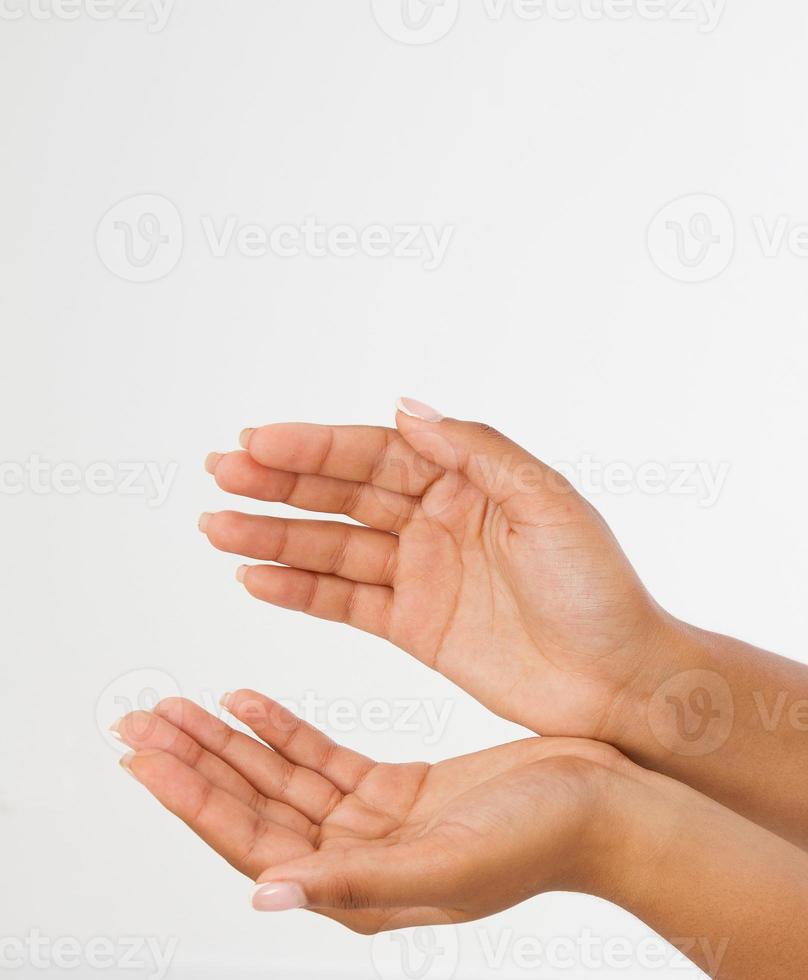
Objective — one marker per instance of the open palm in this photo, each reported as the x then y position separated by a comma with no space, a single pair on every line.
475,557
375,846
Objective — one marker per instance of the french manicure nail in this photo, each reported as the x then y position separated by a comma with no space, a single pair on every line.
113,730
212,461
203,521
226,699
241,572
279,897
418,410
125,762
244,438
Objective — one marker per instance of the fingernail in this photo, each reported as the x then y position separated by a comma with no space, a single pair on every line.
203,521
278,897
212,461
241,572
226,699
244,438
113,729
418,410
125,762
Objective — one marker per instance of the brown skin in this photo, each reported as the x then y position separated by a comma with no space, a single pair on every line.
377,846
486,565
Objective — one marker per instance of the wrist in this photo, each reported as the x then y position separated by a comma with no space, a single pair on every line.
662,669
619,818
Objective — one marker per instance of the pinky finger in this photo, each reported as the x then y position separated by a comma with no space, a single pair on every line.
367,607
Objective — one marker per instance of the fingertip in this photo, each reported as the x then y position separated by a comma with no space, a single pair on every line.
416,409
278,897
212,461
125,762
241,573
244,438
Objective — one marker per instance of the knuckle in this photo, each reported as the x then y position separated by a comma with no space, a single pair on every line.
486,431
339,552
347,894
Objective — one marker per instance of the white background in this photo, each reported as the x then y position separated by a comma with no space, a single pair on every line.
548,146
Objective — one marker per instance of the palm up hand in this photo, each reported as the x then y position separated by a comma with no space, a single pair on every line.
373,845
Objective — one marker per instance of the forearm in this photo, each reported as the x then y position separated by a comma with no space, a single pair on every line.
728,719
731,895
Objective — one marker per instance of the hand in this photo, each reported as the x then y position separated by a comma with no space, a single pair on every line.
477,559
378,846
486,565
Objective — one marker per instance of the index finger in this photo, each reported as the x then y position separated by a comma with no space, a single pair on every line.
360,453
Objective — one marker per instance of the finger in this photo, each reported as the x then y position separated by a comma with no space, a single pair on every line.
528,490
272,775
359,553
367,607
297,741
147,730
361,453
404,875
232,829
374,506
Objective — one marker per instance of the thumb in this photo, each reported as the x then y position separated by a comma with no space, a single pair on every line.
399,876
507,474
